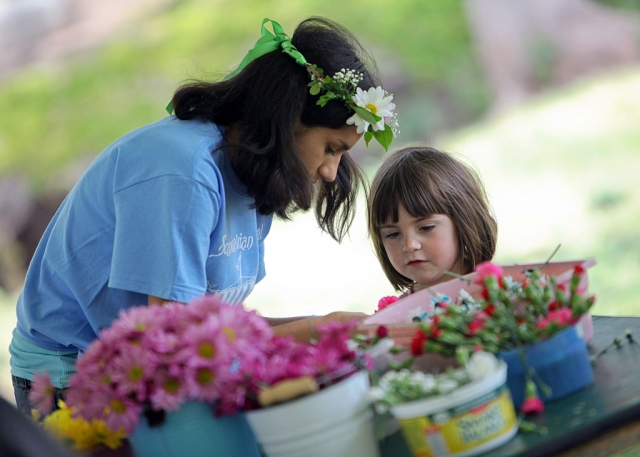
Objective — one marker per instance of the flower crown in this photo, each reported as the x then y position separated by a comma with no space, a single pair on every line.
374,114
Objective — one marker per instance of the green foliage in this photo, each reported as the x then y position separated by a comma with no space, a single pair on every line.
633,5
557,172
56,115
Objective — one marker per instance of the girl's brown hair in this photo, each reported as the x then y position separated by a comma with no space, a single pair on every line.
427,181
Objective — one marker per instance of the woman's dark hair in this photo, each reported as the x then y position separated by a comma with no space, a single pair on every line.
270,101
427,181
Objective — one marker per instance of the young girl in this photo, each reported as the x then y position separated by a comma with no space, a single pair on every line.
428,214
182,207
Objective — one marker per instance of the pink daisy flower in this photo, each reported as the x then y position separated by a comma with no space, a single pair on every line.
131,370
42,393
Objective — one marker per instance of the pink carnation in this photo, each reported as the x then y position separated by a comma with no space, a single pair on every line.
532,406
386,301
532,403
561,317
486,269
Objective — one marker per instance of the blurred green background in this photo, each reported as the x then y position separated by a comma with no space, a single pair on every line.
557,148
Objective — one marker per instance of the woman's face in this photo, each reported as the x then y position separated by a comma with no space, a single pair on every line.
321,149
422,248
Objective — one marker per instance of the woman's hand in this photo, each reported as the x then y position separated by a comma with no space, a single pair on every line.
338,316
304,329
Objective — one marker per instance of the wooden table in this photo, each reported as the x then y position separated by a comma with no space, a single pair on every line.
600,420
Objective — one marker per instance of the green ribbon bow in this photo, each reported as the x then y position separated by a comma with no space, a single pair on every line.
267,43
270,42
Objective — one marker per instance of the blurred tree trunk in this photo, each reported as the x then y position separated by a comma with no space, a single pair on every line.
526,46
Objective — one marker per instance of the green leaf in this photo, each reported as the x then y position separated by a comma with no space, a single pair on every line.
315,89
367,137
365,114
384,137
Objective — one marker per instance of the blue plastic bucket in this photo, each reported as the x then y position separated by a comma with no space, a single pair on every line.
561,362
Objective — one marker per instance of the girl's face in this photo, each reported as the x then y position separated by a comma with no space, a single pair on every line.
321,149
422,248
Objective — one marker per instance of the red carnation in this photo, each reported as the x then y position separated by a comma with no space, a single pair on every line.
578,269
484,293
475,326
490,309
417,343
382,332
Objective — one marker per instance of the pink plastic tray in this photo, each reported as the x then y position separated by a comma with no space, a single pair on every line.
397,317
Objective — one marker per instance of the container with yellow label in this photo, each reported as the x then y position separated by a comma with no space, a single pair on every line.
470,420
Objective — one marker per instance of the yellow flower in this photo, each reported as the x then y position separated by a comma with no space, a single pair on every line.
79,434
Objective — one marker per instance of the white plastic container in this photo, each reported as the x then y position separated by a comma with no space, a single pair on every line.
336,421
472,419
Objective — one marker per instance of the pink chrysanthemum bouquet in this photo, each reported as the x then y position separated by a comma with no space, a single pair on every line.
153,359
159,357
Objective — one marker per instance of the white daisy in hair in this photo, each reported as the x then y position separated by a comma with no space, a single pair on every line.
376,101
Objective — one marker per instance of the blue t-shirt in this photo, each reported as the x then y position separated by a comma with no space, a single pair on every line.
160,212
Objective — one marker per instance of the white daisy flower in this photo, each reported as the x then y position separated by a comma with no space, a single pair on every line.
375,100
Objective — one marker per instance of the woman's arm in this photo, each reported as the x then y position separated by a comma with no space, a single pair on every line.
304,328
301,328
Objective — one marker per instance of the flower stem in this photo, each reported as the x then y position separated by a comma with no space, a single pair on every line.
456,275
555,251
617,341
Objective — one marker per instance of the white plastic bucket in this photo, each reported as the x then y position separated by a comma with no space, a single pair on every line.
470,420
335,421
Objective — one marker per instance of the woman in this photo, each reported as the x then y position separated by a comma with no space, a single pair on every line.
181,207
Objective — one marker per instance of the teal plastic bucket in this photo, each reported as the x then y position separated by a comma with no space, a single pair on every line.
194,431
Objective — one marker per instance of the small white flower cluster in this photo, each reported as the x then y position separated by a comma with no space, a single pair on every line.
402,386
349,78
392,122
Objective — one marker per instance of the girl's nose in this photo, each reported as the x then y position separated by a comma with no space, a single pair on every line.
410,244
329,168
